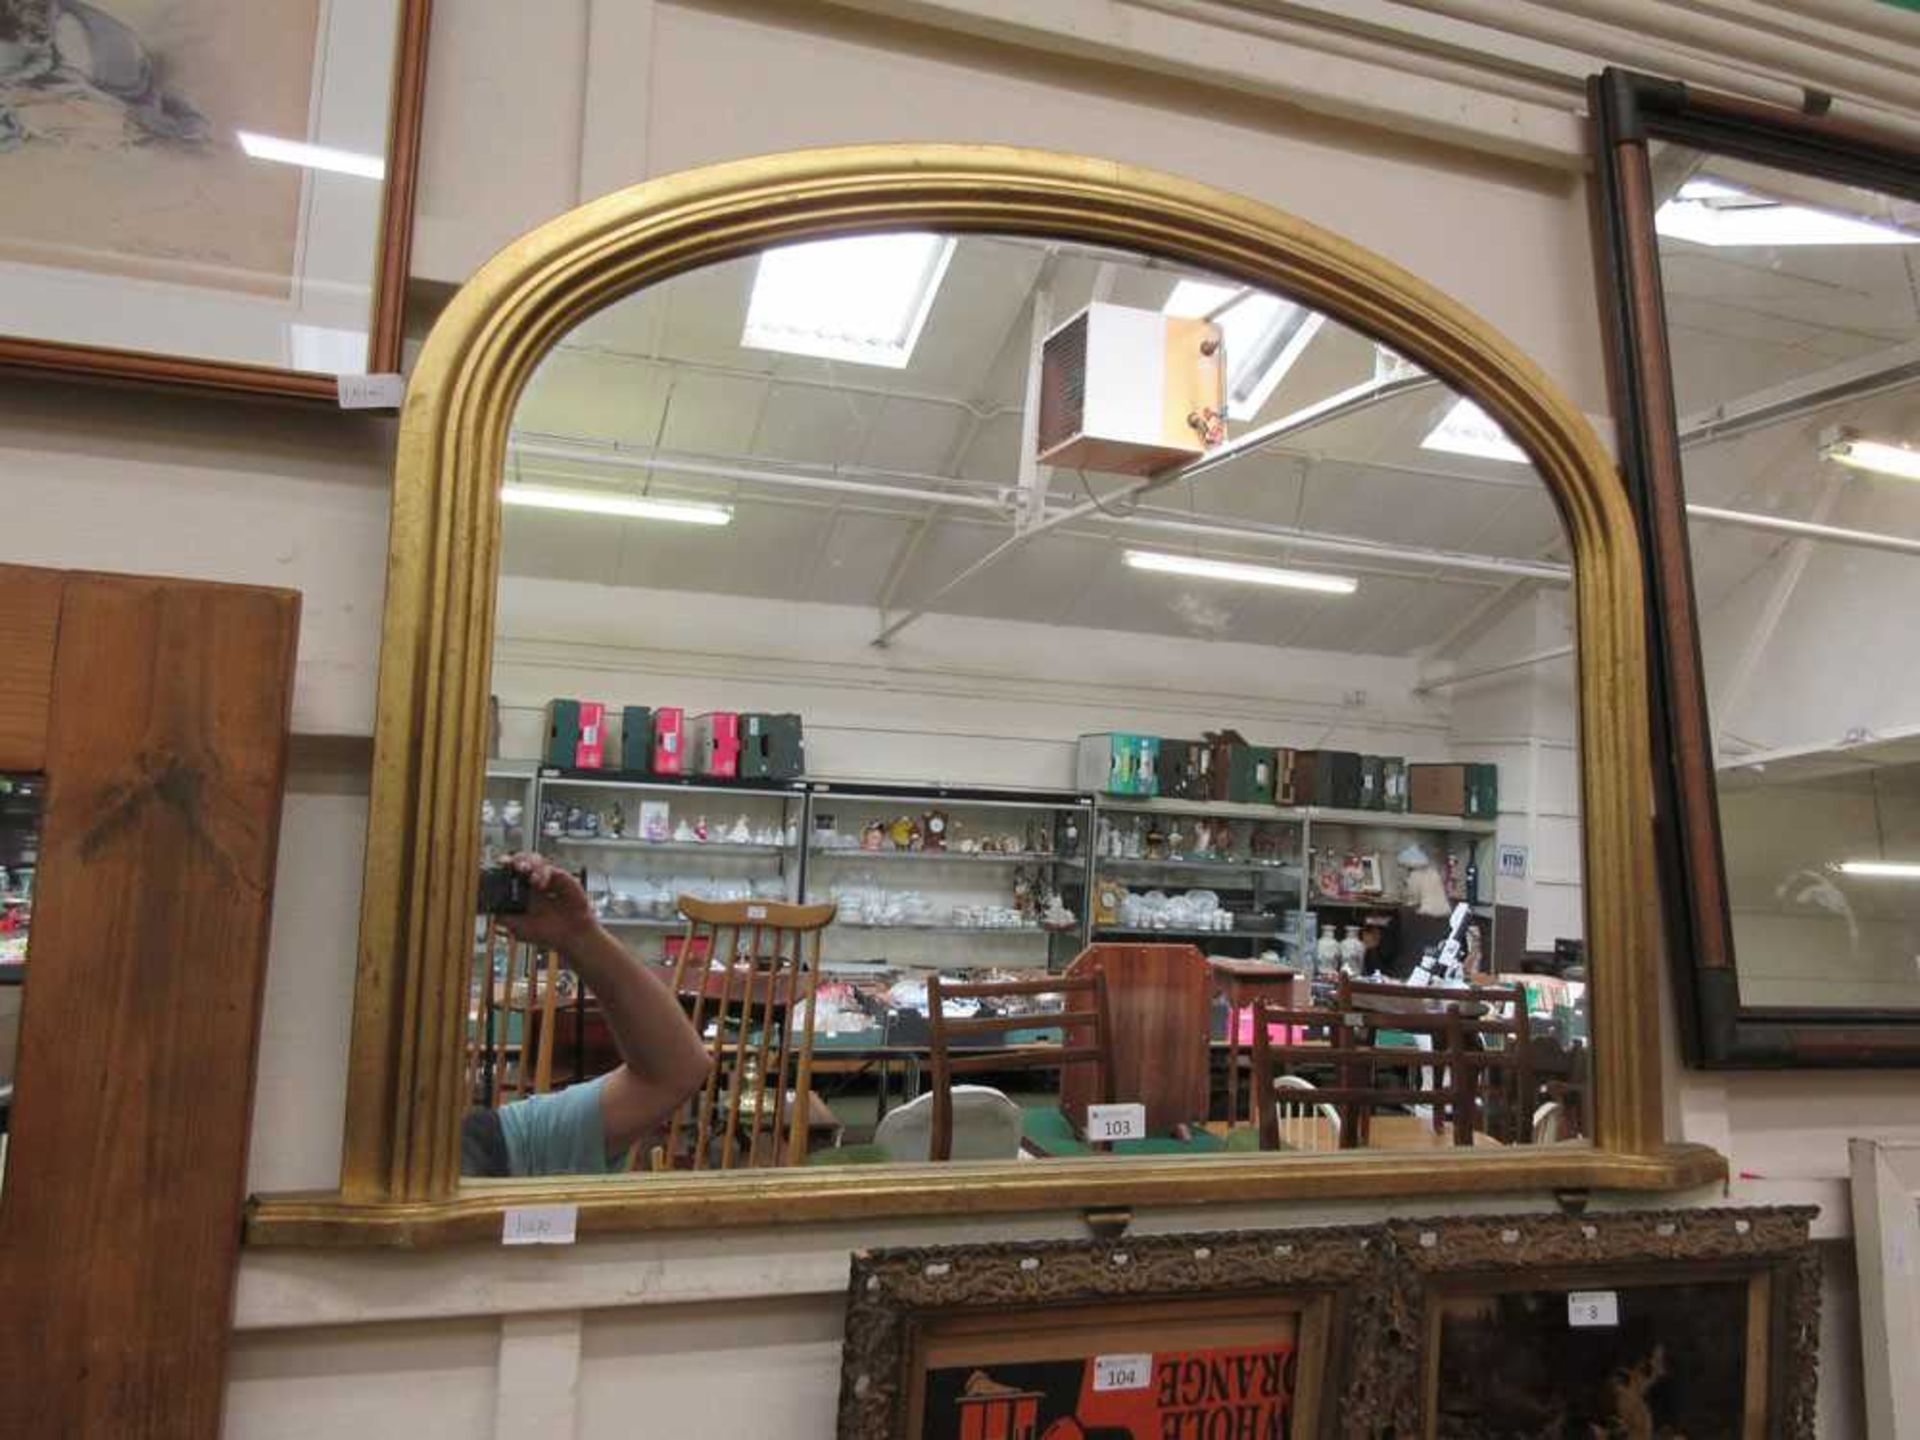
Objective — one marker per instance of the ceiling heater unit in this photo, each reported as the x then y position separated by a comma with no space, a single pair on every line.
1131,392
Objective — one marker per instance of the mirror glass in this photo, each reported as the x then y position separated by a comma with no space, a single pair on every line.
1793,312
21,799
995,698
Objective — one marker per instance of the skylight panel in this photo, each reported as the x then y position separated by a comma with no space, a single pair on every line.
1263,335
862,299
1710,212
1466,429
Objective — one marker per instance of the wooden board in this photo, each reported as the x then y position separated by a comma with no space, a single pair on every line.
1161,1001
29,623
120,1221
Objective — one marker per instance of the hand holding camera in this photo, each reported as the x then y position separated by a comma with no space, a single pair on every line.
538,902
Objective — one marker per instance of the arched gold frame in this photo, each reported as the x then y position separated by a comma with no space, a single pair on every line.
399,1174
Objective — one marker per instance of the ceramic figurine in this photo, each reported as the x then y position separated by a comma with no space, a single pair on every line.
1176,841
873,836
550,821
614,825
683,833
513,815
1326,951
1353,951
1023,892
916,836
700,830
969,846
1070,838
900,832
741,833
1202,839
792,835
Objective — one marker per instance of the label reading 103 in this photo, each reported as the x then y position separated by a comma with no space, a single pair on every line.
1593,1309
1122,1372
1116,1122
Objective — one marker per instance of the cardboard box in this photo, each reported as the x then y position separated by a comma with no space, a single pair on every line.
669,741
1185,769
1285,768
1437,789
576,734
636,739
771,747
1328,777
715,743
1116,763
1241,773
1483,792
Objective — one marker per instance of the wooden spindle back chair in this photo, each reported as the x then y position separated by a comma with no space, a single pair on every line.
1086,1039
516,1018
1496,1032
749,969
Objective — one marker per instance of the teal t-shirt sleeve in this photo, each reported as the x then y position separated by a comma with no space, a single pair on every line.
557,1134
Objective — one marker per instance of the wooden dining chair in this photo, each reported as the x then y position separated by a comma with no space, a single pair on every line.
517,1012
1492,1048
1086,1040
747,971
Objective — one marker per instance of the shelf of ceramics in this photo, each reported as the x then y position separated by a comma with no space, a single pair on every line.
1176,933
841,928
668,847
1287,870
699,785
950,857
1294,814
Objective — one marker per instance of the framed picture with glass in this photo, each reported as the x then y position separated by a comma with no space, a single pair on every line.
1766,338
207,192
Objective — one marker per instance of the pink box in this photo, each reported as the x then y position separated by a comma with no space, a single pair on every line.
716,744
1278,1034
590,750
669,741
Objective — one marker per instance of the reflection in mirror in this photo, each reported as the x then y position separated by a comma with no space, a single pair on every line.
993,699
21,798
1793,307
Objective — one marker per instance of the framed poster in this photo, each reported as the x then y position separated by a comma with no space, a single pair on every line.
1258,1335
1675,1323
213,193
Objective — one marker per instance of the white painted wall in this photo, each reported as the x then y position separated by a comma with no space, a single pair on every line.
525,116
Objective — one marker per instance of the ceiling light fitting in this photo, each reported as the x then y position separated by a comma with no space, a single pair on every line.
1879,870
1881,457
613,502
1708,212
1202,569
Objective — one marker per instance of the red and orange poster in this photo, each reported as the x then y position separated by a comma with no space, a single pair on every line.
1230,1393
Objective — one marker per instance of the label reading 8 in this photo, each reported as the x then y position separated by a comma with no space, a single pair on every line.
1593,1309
1116,1122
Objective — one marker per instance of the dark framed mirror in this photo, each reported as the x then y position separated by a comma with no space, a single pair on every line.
1762,275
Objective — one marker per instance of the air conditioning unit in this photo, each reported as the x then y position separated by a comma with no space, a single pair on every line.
1128,391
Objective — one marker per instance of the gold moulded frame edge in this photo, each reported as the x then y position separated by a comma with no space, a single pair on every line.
399,1173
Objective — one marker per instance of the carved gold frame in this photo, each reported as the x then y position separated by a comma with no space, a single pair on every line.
399,1174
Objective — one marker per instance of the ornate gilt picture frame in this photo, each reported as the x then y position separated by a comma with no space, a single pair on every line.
400,1178
1655,1322
1262,1332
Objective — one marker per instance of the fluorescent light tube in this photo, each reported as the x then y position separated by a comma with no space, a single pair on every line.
862,299
1880,456
312,157
1466,429
1708,212
612,502
1201,569
1879,869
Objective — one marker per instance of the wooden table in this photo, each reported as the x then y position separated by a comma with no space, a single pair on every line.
1243,982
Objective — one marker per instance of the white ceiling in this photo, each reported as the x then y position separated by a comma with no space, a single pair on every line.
663,373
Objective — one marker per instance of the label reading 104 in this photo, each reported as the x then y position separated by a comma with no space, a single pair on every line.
1593,1309
1122,1372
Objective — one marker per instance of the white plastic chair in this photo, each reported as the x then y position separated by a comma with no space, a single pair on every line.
1305,1123
986,1126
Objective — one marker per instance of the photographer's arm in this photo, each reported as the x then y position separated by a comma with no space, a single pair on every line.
664,1059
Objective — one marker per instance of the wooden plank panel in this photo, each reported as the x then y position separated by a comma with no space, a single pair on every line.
120,1222
29,623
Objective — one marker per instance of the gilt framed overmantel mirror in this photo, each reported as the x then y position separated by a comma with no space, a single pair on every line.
1042,685
1764,269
